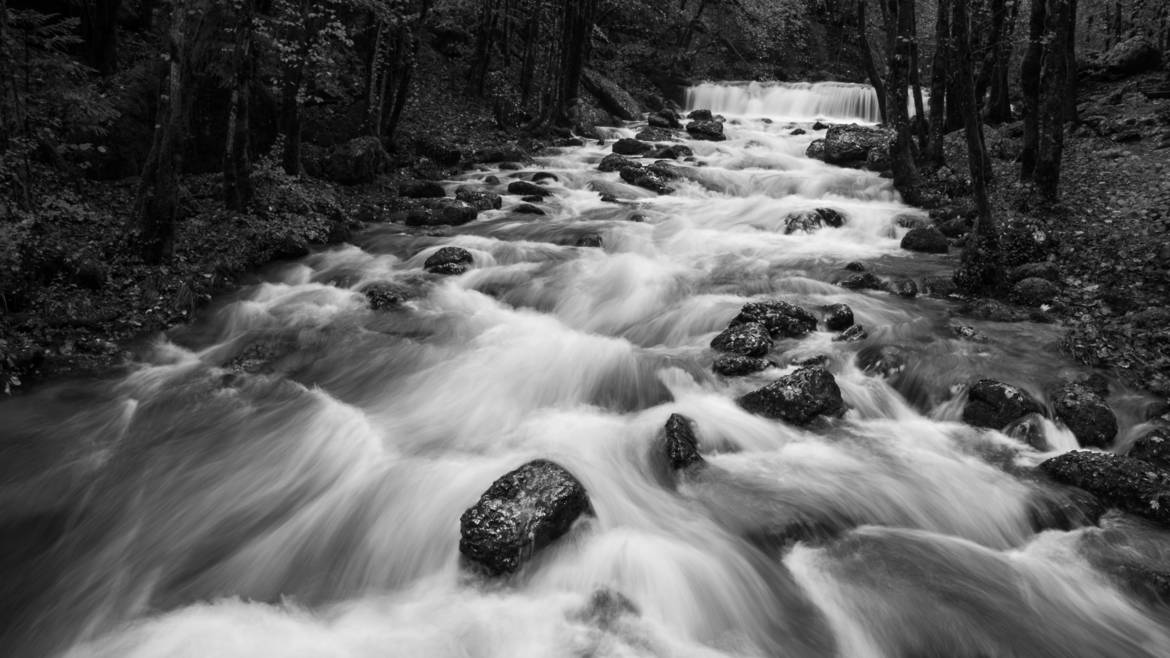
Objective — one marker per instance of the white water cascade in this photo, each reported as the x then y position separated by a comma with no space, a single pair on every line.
285,477
792,101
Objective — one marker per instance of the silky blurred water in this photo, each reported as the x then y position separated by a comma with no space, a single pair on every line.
309,506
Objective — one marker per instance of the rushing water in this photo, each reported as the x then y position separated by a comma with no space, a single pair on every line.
311,508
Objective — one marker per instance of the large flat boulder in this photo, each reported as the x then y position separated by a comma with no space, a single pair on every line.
797,398
852,145
522,512
1123,482
994,405
611,96
781,319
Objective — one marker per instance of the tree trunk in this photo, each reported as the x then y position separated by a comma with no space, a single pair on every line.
237,165
980,267
291,80
157,205
871,69
916,85
999,105
1054,77
1030,87
579,16
1070,56
900,37
409,42
938,84
99,27
375,87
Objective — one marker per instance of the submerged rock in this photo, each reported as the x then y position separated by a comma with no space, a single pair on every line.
882,360
838,317
808,221
589,240
646,179
522,512
1129,484
527,209
852,334
781,319
382,296
681,446
1085,413
994,405
449,260
862,281
481,200
737,365
440,212
797,398
747,339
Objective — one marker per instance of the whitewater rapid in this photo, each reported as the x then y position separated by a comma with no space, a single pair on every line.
309,506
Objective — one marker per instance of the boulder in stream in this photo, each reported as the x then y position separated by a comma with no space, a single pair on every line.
627,146
711,131
522,512
807,221
615,162
994,405
449,261
838,317
1085,413
797,398
527,209
680,444
781,319
421,189
482,200
440,212
527,188
862,281
852,335
700,115
646,179
851,145
925,240
653,134
747,339
1129,484
665,119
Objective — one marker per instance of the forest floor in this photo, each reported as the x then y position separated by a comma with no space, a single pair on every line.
94,301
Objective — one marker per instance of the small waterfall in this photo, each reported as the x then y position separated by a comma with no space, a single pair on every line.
793,101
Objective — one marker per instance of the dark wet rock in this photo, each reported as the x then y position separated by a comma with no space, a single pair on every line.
1086,415
850,146
994,405
532,199
1097,383
609,198
521,513
645,179
357,161
671,152
798,131
526,188
627,146
421,189
1034,291
1134,55
911,221
862,281
700,115
819,360
681,446
1153,448
821,125
449,260
902,288
611,96
816,149
589,240
1123,482
711,131
527,209
1042,270
925,240
382,296
615,162
664,170
92,273
855,267
797,398
749,339
781,319
838,317
807,221
567,142
653,135
737,365
637,218
852,335
481,200
491,179
665,119
1029,430
882,360
544,175
510,166
1027,242
966,332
